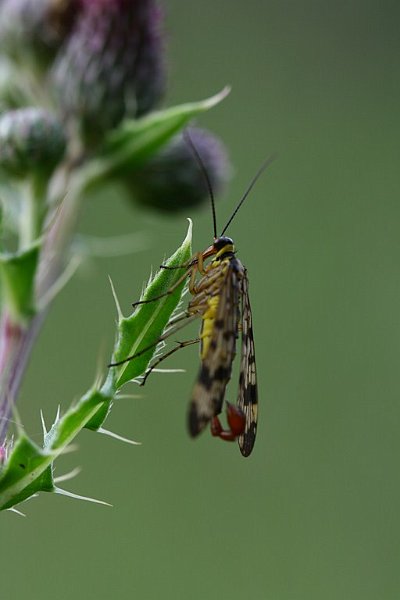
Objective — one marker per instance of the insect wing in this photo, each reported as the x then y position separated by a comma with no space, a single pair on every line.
216,366
248,395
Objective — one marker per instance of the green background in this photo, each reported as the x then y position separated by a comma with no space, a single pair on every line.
313,513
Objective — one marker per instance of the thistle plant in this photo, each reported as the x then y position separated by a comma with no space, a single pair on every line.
81,83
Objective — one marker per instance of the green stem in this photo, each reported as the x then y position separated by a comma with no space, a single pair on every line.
16,339
33,211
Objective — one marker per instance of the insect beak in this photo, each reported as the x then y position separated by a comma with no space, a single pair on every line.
210,251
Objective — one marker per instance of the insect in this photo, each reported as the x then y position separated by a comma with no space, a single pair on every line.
220,298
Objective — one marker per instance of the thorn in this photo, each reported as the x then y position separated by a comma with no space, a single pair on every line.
117,304
44,428
168,370
116,436
17,512
128,396
69,475
58,285
78,497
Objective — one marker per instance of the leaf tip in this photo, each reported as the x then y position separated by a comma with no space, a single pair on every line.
188,238
217,98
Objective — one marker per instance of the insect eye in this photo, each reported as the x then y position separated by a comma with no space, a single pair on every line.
222,242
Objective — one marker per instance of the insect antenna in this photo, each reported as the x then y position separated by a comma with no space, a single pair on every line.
188,139
261,170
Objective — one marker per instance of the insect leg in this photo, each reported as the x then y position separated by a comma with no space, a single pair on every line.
167,268
176,327
167,293
193,261
236,421
166,355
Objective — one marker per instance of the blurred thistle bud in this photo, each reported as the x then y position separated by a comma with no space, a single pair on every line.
3,454
174,180
32,142
32,30
112,65
6,448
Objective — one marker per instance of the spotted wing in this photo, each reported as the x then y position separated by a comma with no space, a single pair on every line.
248,396
216,366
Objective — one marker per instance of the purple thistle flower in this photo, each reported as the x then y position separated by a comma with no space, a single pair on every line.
111,66
36,28
173,180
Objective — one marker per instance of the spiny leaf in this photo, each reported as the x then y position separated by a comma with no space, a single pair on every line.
29,468
136,140
27,471
144,327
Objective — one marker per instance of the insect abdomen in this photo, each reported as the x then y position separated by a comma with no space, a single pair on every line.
208,325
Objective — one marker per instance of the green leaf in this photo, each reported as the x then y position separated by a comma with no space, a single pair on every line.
27,471
17,275
78,417
101,413
145,326
136,140
29,468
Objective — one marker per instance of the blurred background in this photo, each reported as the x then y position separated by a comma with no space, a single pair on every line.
313,513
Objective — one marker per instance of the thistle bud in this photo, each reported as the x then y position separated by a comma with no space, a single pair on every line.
32,141
111,66
34,29
3,455
173,179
